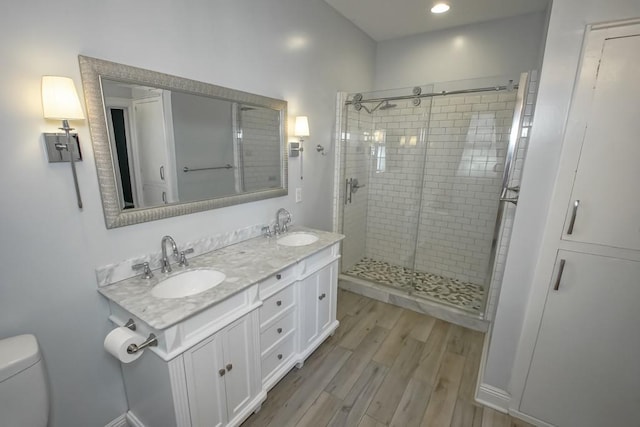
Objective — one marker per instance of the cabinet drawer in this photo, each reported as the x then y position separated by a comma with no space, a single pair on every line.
279,329
274,283
277,357
276,304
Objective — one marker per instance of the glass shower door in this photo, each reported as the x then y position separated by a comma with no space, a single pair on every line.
384,146
467,146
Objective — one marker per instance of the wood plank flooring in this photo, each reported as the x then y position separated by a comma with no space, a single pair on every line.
384,366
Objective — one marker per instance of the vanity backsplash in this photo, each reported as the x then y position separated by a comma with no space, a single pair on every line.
116,272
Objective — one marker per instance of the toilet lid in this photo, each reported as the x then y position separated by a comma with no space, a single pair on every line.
17,354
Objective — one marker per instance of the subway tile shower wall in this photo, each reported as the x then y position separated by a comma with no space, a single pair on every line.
259,135
465,138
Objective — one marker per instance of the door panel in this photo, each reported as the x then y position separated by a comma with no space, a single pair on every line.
238,354
608,174
308,310
325,296
151,149
585,369
204,383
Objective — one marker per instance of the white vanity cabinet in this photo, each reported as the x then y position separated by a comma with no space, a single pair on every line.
215,367
221,374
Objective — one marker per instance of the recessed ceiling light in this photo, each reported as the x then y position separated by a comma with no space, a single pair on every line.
440,8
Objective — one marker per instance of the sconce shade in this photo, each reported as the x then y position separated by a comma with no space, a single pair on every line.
60,99
302,126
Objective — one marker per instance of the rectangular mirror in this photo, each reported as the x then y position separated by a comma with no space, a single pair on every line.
167,146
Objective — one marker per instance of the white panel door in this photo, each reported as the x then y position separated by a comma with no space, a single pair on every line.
151,150
608,174
205,374
239,354
585,370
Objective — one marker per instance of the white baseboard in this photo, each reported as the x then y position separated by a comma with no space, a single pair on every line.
121,421
133,420
528,419
493,397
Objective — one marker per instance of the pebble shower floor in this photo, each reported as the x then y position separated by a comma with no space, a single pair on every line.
463,295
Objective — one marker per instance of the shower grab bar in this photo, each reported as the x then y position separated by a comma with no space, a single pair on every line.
187,169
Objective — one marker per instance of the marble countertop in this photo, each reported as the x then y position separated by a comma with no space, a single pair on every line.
244,264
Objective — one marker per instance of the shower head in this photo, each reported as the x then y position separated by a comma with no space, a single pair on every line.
387,106
382,105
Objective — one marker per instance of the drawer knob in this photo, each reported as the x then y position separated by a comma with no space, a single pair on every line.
222,372
278,303
280,357
279,330
278,276
323,296
229,367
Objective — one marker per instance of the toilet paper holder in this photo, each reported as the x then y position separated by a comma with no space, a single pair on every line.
151,341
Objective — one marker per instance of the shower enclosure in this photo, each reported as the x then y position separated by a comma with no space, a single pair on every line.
424,178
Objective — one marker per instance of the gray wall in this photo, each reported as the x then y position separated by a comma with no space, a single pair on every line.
202,128
301,51
504,47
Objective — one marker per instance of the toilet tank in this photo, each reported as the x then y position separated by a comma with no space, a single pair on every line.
24,400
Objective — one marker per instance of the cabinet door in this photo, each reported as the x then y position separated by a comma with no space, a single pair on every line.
326,296
205,384
239,355
318,303
607,177
585,369
309,326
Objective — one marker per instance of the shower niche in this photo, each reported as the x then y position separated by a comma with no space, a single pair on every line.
436,167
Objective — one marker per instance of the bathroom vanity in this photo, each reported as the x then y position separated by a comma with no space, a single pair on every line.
221,350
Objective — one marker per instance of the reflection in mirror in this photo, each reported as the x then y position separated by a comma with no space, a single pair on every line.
167,146
174,147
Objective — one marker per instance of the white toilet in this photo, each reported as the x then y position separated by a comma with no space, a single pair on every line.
24,400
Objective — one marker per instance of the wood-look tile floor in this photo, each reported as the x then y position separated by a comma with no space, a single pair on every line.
384,366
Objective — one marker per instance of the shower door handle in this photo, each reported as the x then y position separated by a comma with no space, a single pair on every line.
504,198
347,191
513,200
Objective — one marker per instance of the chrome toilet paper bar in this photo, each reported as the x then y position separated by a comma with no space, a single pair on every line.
152,341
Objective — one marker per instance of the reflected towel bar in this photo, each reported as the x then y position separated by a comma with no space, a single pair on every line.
187,169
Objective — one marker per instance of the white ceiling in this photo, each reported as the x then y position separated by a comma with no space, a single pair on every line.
389,19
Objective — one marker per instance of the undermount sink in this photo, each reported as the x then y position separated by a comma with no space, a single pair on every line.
188,283
297,239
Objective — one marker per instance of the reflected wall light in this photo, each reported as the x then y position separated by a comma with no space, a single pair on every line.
301,129
60,102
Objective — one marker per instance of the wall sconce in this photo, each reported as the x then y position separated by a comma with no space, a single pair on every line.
60,102
301,130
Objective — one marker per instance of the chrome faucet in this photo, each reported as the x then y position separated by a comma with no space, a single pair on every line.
278,228
166,266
